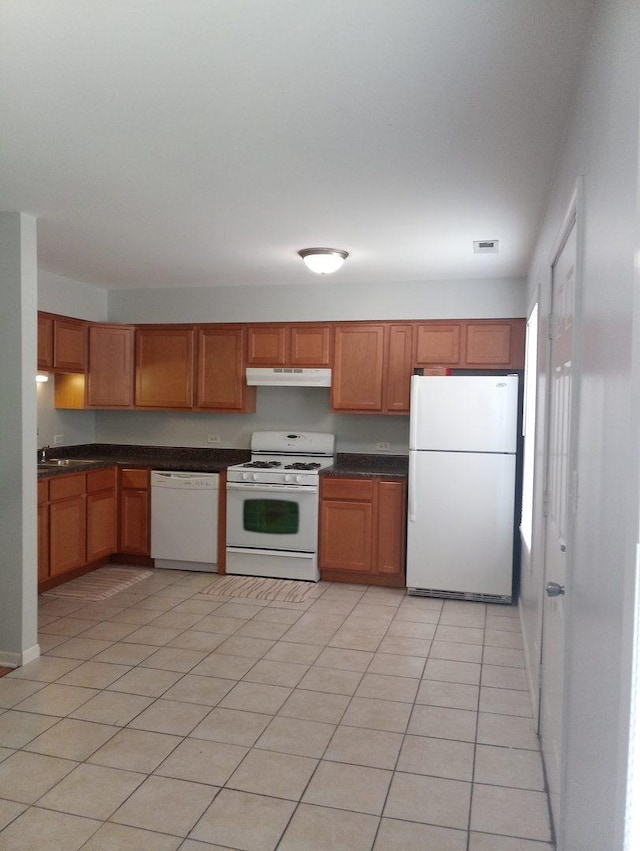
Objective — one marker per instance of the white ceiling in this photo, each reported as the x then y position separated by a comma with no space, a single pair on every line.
170,143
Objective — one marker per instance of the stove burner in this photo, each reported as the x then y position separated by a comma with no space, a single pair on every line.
263,465
301,465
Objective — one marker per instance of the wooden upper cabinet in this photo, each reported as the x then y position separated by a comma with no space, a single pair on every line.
45,341
306,344
110,379
69,345
221,381
164,367
358,359
310,345
471,344
267,345
493,343
399,361
438,343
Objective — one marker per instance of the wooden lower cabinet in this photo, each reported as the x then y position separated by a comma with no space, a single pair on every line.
102,514
135,512
76,523
67,524
43,531
362,530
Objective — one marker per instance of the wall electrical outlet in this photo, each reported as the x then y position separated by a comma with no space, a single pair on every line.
383,446
214,439
57,439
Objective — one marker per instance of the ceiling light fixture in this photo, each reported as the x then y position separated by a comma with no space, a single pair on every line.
323,261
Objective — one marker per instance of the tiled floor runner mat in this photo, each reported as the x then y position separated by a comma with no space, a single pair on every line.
100,584
260,588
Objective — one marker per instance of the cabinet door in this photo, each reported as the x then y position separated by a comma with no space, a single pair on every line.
221,381
495,344
391,527
69,345
43,537
135,512
45,341
398,368
164,367
345,538
357,370
110,380
267,345
438,343
67,534
310,345
101,524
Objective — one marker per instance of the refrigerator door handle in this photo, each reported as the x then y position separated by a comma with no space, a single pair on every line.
412,496
413,412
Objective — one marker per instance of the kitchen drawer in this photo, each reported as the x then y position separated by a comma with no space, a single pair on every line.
134,479
66,486
347,489
100,480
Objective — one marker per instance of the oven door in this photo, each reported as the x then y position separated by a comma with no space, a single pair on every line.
272,517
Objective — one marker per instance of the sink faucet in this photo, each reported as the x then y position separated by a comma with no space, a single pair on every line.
42,453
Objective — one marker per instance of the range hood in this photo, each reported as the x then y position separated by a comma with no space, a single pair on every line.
284,376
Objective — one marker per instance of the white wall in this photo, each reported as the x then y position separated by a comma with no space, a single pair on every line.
71,298
602,145
325,299
277,408
18,526
82,301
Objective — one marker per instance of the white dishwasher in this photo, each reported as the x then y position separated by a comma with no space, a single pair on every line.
184,520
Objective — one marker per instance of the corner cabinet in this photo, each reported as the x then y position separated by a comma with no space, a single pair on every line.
220,382
62,343
164,367
363,530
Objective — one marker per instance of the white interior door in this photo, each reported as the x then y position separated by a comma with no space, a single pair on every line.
559,494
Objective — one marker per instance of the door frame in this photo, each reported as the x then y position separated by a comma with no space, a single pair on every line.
574,214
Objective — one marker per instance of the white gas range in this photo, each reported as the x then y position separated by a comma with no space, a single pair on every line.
272,505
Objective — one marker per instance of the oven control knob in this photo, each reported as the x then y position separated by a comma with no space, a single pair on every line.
255,477
245,477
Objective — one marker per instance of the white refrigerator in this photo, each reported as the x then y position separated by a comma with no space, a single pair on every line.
462,474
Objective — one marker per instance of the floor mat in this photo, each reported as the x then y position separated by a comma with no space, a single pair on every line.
260,588
99,584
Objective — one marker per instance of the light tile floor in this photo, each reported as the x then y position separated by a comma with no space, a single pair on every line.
164,719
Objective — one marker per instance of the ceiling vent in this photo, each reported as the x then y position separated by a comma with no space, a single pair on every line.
486,246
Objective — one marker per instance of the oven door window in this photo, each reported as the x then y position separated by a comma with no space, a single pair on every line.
271,516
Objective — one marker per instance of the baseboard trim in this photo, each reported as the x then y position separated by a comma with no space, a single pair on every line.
16,660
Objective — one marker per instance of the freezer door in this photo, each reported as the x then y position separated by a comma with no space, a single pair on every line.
464,413
461,523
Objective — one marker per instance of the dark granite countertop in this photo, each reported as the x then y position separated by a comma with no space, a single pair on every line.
359,464
182,458
94,456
